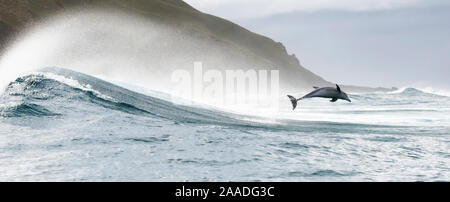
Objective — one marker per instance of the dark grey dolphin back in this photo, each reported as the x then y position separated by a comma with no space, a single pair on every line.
327,92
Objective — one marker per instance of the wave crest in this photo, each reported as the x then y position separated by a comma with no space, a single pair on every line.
426,90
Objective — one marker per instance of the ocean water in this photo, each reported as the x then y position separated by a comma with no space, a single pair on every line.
60,125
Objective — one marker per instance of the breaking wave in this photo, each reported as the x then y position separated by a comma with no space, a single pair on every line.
63,120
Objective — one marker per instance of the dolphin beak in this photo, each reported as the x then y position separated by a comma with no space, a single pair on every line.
349,100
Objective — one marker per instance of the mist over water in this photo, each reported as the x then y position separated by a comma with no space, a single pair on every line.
97,43
118,46
66,124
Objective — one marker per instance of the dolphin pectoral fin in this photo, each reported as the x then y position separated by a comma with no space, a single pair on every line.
333,100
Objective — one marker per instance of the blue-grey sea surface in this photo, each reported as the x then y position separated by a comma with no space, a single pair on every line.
60,125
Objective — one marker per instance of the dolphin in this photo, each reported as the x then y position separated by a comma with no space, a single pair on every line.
327,92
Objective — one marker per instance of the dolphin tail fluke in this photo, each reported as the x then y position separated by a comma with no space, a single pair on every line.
293,101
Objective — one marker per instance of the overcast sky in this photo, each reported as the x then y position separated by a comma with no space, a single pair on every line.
363,42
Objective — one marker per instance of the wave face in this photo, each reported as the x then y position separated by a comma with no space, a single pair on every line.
60,125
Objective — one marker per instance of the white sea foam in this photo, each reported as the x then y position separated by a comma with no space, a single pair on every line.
435,91
73,83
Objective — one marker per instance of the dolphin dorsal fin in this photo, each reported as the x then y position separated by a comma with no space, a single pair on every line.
338,88
315,87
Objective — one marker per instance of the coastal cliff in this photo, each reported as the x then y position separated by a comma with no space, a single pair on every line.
17,15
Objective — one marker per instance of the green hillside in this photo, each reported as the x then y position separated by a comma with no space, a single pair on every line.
19,14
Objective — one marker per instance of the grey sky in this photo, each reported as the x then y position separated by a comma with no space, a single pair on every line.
364,42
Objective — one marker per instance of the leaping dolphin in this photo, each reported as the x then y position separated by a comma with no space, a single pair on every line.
327,92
